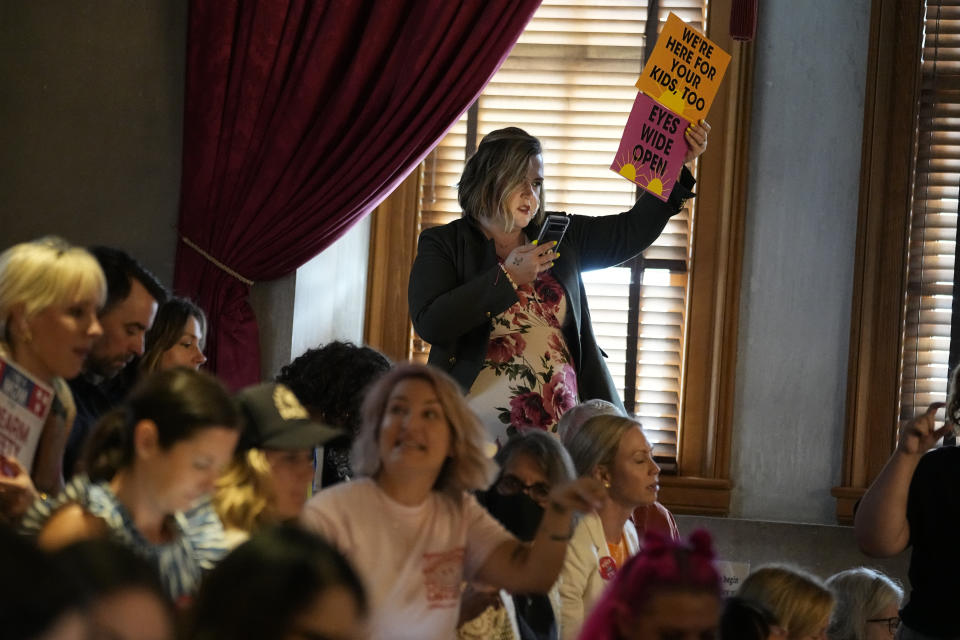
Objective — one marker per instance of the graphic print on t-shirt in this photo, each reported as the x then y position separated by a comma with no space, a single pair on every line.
442,575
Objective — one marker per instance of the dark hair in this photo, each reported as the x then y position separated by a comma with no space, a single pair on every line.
499,165
545,449
121,269
258,590
104,567
744,619
167,328
332,380
180,401
36,592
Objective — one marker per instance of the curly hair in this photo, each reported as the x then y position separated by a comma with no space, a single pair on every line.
331,381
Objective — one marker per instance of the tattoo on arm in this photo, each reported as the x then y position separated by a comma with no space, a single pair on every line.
517,261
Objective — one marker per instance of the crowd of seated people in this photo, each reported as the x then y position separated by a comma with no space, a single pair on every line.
353,498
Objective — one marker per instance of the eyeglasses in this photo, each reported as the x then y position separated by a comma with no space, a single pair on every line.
892,623
510,485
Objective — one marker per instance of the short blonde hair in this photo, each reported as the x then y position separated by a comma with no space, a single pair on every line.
43,273
799,600
861,594
596,442
467,469
244,492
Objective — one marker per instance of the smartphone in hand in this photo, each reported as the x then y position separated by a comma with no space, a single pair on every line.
552,230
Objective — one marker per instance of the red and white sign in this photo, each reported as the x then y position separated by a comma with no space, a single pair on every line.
25,403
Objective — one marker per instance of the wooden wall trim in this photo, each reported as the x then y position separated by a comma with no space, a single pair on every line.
715,276
393,246
883,238
696,496
702,485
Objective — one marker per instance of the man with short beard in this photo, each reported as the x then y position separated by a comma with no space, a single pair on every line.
133,295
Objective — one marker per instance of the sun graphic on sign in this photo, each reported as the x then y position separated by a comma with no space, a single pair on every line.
629,172
654,185
671,101
648,180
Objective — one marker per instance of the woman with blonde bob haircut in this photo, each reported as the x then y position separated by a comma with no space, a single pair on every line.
800,601
614,451
50,293
868,605
410,525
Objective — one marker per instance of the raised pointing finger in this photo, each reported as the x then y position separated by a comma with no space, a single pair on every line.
934,407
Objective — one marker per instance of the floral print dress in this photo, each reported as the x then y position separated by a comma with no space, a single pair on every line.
527,380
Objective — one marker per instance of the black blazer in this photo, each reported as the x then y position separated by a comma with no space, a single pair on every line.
457,286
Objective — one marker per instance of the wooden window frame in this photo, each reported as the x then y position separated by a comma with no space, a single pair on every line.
883,240
702,483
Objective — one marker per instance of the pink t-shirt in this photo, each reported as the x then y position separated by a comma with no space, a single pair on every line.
412,560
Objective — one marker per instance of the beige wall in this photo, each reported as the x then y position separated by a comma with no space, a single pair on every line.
90,123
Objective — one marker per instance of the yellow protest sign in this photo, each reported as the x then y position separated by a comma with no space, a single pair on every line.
684,70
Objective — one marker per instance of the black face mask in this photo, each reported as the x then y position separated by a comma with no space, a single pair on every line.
518,513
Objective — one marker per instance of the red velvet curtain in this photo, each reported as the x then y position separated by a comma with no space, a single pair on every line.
300,118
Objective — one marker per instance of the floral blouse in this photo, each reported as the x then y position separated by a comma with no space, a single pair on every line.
527,379
181,563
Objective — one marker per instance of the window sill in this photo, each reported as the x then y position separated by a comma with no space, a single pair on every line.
695,496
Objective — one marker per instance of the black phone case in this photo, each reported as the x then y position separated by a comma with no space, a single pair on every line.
554,227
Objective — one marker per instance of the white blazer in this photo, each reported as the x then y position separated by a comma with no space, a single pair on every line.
581,583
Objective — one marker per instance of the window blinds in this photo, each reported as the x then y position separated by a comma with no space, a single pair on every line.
570,82
930,272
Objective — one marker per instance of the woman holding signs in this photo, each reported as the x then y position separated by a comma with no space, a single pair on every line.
506,315
50,293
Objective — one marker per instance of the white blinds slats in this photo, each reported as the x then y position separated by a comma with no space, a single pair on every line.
570,82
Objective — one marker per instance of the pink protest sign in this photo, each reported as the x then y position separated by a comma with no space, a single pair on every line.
652,148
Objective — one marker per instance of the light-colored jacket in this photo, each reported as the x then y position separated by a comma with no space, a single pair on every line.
581,582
